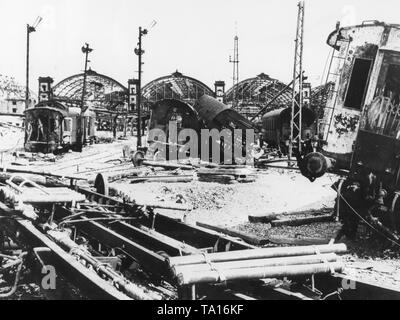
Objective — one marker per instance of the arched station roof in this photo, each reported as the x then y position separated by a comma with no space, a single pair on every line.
175,86
259,90
101,90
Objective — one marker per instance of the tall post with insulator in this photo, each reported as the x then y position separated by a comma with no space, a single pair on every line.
297,93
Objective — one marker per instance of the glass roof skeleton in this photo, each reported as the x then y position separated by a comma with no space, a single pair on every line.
102,91
260,89
175,86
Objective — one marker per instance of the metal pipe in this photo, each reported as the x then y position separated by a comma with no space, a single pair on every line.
255,263
258,273
256,254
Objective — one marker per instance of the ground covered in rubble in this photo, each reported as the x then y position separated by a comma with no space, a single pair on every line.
229,205
275,191
373,259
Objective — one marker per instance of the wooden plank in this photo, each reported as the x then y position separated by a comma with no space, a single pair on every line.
156,240
41,173
148,258
298,241
167,165
233,172
301,221
267,218
54,195
263,219
170,179
234,233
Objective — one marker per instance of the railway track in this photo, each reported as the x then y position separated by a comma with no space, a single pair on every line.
120,232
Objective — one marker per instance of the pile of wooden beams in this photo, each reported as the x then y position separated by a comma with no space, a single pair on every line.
226,174
257,264
294,218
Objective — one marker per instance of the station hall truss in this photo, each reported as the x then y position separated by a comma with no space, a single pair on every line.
109,98
106,94
175,87
249,96
102,93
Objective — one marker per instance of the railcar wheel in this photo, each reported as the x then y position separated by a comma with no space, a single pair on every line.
101,184
138,158
314,165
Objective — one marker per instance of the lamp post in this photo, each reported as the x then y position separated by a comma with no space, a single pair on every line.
86,50
139,52
29,30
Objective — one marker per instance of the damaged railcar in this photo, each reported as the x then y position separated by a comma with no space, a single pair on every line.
365,65
361,126
276,127
53,126
171,116
181,114
217,115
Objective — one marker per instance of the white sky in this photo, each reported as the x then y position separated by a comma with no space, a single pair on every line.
195,37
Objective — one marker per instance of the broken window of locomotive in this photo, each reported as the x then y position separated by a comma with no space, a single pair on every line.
358,83
382,115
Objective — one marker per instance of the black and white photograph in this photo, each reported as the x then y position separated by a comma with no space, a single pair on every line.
199,154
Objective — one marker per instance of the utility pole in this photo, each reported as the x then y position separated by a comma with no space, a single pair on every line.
29,30
86,50
235,76
139,52
297,93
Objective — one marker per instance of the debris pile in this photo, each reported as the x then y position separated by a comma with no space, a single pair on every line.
317,233
227,174
198,195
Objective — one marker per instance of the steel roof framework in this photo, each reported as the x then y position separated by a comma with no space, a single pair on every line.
175,86
102,91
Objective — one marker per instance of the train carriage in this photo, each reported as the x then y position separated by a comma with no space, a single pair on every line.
276,127
52,126
361,126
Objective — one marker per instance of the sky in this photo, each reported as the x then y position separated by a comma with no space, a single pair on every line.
193,37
